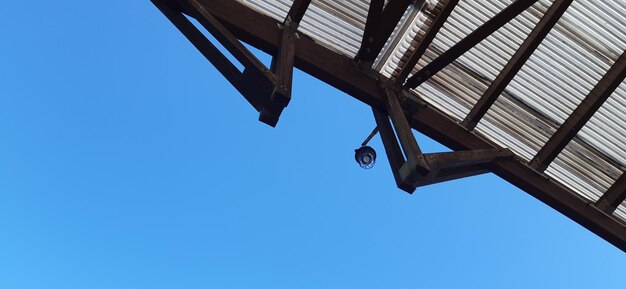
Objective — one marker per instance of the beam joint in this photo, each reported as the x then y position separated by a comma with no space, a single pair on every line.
297,10
613,197
415,164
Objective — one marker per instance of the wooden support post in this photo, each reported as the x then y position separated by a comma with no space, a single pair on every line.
282,67
282,64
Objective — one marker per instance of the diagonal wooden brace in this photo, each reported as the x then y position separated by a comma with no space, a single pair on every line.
449,166
255,82
392,148
419,169
415,164
268,91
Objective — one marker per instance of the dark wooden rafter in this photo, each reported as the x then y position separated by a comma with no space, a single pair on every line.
341,72
374,17
536,36
383,24
579,117
613,197
297,10
468,42
426,40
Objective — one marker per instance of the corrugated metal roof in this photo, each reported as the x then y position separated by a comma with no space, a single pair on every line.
569,62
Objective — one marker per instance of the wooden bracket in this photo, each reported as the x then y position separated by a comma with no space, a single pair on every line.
267,90
411,168
282,67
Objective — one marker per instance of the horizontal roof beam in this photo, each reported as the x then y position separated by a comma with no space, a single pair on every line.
469,42
585,110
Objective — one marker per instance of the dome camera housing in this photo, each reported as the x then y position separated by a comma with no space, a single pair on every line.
365,156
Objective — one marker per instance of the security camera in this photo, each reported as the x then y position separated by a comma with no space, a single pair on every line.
365,156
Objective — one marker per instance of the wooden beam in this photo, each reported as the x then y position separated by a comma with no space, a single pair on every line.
282,67
392,149
241,81
297,10
427,39
415,165
372,23
450,174
516,62
226,38
613,197
390,17
585,110
469,42
465,158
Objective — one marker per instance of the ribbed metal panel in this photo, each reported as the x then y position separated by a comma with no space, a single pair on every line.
606,130
621,211
336,24
277,9
565,67
414,22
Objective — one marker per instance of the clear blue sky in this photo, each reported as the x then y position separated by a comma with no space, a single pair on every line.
127,161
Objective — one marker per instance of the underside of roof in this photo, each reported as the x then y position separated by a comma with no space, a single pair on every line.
562,111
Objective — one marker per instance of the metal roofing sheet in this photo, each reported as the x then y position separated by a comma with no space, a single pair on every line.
564,68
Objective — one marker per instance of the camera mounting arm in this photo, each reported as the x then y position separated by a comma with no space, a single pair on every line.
419,169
